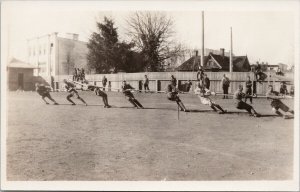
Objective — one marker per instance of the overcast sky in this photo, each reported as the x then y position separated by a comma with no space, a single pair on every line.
261,35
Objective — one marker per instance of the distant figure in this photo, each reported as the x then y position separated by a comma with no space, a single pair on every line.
259,75
248,89
279,72
276,103
240,104
292,90
283,89
188,85
225,85
173,80
82,75
104,81
257,71
146,83
200,74
44,91
75,75
206,82
78,74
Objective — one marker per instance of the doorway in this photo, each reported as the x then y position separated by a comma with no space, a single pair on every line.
21,81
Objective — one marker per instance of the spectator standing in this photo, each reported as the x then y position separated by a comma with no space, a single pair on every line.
225,85
146,84
82,75
200,74
173,80
188,85
104,81
75,75
283,88
248,89
78,74
206,82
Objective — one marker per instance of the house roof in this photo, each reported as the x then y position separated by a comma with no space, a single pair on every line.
15,63
240,63
192,64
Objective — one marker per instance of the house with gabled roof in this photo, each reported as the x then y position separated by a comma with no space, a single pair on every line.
20,75
214,62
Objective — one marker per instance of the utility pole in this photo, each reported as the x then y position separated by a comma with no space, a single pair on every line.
231,50
202,50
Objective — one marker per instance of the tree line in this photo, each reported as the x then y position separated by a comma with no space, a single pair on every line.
151,43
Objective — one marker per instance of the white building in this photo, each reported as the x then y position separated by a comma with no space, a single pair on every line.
54,54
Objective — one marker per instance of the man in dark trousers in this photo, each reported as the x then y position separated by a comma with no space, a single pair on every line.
82,75
70,87
172,95
283,89
44,91
173,80
248,89
200,74
126,89
75,74
146,84
100,93
276,103
225,85
104,81
206,82
78,74
240,104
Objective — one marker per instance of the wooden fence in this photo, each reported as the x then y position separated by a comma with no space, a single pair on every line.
159,80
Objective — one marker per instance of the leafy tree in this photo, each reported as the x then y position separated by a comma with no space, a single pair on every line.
106,54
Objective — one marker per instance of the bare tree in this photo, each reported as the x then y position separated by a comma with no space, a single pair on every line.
152,34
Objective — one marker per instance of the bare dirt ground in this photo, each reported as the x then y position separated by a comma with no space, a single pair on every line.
64,142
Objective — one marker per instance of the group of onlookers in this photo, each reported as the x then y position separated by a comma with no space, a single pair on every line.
79,74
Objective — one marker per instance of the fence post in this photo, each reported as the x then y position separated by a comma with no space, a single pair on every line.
156,85
56,86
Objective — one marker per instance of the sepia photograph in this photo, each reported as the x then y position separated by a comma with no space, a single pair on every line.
141,95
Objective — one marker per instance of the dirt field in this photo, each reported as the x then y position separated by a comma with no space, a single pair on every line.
48,142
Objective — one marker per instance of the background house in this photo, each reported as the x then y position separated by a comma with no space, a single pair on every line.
216,62
20,75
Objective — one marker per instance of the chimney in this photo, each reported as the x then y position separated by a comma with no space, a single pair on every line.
222,52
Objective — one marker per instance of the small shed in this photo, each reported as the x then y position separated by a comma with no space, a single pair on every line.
20,75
